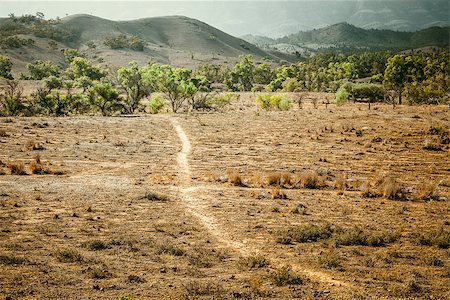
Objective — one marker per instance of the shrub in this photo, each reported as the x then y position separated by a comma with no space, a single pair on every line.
254,262
310,180
284,276
434,261
116,42
329,259
276,101
69,256
277,193
104,97
156,104
342,95
11,100
358,237
440,238
99,273
220,101
12,260
307,233
197,288
5,67
97,245
384,186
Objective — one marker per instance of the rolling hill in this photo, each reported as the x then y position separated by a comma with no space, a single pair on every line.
175,40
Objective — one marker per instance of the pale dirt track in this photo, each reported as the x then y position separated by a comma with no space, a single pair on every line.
198,209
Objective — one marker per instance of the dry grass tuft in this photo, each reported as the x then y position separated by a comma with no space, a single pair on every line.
32,146
234,178
340,183
384,186
427,191
193,289
310,180
277,193
17,168
3,133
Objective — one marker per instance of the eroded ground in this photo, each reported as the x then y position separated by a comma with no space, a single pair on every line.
122,213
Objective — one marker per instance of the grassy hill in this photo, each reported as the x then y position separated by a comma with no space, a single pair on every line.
175,40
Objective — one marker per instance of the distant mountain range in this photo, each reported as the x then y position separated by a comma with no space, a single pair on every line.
345,36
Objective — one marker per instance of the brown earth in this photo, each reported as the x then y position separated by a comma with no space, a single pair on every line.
150,205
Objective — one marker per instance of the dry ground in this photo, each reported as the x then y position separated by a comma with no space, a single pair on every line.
178,206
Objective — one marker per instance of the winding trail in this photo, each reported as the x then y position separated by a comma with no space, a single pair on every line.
199,209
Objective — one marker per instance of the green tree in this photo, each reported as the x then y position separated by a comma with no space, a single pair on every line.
242,76
131,80
175,84
396,73
104,97
5,67
39,70
84,72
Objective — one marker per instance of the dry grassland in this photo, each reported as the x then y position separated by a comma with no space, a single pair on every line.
336,203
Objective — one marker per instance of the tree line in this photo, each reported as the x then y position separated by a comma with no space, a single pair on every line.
84,87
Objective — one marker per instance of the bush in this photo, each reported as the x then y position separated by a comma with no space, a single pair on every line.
220,101
116,42
254,262
11,101
69,256
156,104
342,95
440,238
276,101
5,67
284,276
329,260
54,103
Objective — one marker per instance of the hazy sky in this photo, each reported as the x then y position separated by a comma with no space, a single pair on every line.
239,17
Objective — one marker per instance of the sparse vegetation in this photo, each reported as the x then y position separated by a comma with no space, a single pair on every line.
69,256
254,262
284,276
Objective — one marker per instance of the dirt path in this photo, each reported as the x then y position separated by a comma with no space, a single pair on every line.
195,205
199,208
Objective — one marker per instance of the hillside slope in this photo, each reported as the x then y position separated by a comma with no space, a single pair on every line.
175,40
